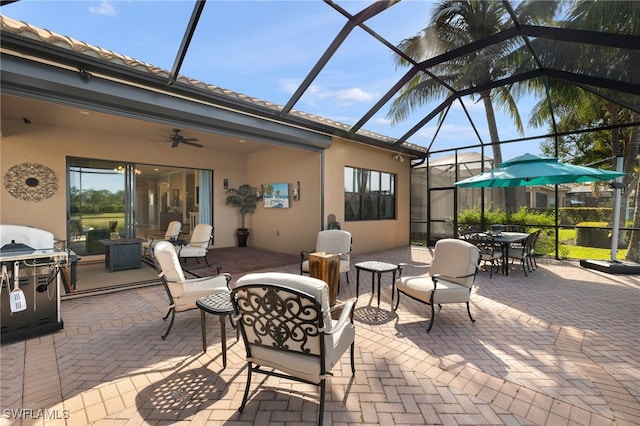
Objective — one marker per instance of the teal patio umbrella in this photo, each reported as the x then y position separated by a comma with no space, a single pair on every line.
528,170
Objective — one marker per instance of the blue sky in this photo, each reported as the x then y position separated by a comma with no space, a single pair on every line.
264,49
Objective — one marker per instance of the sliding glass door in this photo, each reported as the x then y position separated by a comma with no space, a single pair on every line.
109,199
100,203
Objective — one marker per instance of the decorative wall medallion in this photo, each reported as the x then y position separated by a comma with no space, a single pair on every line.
31,182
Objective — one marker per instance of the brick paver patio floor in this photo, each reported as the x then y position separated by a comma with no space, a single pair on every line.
559,347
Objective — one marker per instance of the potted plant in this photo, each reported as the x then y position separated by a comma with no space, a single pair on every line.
244,198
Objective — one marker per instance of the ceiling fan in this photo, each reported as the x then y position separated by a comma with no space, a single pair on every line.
176,139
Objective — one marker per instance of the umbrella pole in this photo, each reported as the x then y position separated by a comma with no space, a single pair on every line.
616,212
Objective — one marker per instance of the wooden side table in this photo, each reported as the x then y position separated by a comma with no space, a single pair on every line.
326,267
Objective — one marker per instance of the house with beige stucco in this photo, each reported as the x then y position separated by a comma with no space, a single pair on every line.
75,116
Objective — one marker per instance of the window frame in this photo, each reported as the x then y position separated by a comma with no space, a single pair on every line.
369,194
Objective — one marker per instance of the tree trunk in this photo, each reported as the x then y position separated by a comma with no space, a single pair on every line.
508,197
633,251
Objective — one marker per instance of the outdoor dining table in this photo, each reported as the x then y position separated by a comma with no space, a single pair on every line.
506,239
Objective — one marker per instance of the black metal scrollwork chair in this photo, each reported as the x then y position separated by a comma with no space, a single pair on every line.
531,251
286,324
182,292
523,253
450,280
490,251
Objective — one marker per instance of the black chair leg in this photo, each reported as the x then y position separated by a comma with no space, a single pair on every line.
173,317
353,364
469,312
397,300
321,408
246,389
433,315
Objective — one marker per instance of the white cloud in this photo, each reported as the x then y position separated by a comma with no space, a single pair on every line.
383,121
341,97
289,85
105,8
450,132
354,95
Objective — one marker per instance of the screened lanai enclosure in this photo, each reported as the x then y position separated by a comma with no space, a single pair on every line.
455,87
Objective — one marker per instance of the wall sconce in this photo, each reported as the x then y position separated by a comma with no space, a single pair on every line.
398,157
259,193
296,192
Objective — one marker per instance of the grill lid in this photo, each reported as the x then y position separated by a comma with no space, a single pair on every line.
14,247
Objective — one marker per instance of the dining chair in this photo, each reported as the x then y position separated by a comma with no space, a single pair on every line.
521,252
490,251
285,322
531,252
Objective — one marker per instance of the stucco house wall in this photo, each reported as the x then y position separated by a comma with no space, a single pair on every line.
284,230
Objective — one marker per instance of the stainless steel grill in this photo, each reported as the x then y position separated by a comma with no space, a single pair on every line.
31,270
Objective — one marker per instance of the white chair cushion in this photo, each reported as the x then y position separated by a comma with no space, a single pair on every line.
186,293
335,241
306,366
421,288
201,235
314,287
190,251
168,262
455,258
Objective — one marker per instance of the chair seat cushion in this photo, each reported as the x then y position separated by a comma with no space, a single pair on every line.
303,366
187,292
191,251
421,287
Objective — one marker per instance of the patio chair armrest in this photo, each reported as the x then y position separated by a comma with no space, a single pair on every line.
345,316
435,277
412,265
304,254
226,275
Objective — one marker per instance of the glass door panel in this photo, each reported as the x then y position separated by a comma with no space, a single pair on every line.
97,204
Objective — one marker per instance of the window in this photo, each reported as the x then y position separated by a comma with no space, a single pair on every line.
369,195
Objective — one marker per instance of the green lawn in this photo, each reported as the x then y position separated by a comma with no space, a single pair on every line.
579,252
101,221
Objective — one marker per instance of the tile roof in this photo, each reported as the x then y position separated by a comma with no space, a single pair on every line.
26,30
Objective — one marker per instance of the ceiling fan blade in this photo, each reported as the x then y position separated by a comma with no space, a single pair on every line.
188,142
190,139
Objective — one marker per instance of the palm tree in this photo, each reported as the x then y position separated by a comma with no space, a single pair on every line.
620,17
456,23
244,199
577,105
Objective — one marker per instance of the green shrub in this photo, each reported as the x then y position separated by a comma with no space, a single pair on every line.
529,218
591,236
574,215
